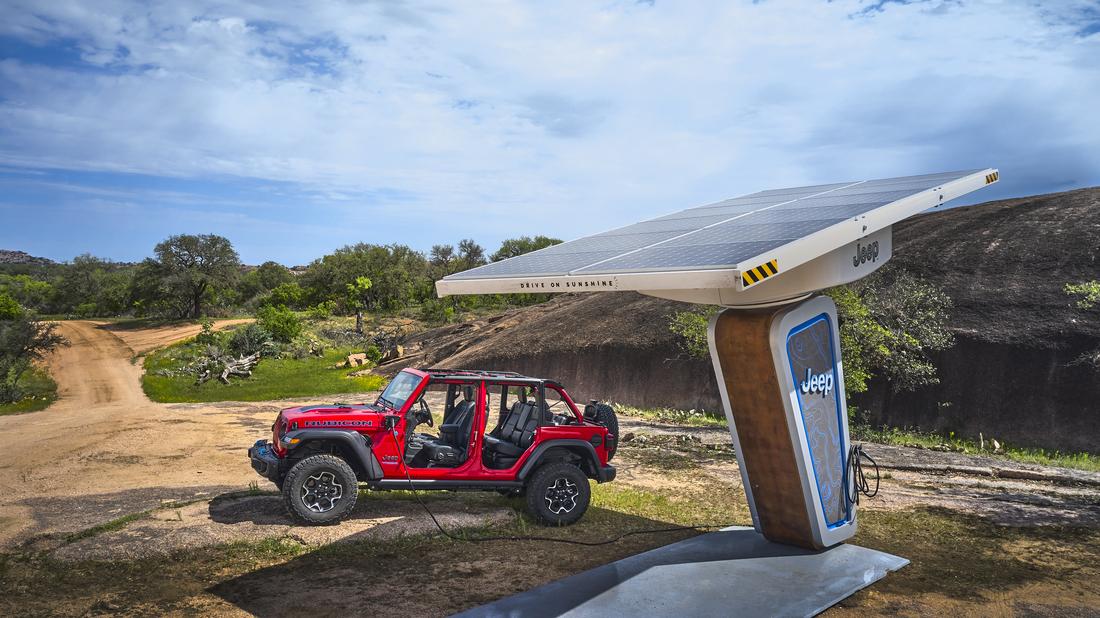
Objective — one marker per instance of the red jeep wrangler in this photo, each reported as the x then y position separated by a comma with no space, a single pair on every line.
539,445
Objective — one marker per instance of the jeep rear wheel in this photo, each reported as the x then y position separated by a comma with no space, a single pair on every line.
321,489
558,494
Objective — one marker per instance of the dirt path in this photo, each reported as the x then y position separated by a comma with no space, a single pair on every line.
104,450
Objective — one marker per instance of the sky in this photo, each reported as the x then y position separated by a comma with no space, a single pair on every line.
297,128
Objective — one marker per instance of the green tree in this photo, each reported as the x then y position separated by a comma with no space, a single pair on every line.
398,275
90,286
470,254
907,320
286,294
188,271
358,295
263,278
889,323
29,292
1088,295
23,341
524,244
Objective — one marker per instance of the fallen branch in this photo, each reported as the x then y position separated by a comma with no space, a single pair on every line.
226,366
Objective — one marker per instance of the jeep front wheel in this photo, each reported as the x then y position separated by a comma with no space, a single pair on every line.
558,494
319,490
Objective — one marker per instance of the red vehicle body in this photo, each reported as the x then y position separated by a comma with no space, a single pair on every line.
501,431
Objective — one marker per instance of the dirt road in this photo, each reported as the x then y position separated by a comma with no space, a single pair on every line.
105,450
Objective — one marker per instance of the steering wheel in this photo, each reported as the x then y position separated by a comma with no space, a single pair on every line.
424,415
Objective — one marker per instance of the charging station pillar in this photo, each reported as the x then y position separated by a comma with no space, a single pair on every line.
782,384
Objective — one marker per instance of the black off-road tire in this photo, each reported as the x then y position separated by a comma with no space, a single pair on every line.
320,490
605,415
558,494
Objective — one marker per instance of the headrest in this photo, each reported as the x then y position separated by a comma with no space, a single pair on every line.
469,393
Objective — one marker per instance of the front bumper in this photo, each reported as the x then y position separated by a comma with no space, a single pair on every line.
265,462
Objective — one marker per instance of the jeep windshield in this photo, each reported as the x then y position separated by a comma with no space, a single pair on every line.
400,388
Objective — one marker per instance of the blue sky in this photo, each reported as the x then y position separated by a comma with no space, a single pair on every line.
296,128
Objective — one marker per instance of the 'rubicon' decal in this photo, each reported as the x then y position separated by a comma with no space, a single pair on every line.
339,423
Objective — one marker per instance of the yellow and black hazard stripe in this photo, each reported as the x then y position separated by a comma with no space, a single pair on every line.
992,178
753,276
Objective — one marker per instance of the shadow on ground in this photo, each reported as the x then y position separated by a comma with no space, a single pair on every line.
431,576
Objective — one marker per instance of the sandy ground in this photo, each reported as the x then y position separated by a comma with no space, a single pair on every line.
104,450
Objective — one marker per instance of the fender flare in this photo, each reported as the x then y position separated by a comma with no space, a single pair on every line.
357,445
533,461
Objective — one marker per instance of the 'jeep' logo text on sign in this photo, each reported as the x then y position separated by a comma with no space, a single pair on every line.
818,383
865,253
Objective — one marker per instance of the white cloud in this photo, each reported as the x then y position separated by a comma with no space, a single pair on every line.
574,116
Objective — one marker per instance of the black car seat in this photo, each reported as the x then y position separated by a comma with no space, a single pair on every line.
517,433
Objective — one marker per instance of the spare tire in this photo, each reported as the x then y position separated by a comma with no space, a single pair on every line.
605,415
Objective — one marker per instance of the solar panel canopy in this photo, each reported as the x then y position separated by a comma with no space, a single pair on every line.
736,244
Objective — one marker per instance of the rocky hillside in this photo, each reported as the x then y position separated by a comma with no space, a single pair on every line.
8,256
1011,374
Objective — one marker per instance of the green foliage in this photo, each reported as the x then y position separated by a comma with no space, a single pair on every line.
322,310
398,275
285,294
889,323
435,311
524,244
374,353
188,272
1089,293
249,339
283,324
91,287
23,341
38,391
9,308
691,326
208,336
29,292
359,292
263,279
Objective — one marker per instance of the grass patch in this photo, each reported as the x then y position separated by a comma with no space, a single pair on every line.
273,379
110,526
40,391
692,418
951,443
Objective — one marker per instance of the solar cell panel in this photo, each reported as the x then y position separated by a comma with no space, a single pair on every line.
790,226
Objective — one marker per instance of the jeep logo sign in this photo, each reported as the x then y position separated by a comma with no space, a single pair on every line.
817,383
865,253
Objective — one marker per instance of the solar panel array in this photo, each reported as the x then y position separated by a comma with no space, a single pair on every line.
714,236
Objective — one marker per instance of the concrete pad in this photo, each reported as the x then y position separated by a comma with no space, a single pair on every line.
731,572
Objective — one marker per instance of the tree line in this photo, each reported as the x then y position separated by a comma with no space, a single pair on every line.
192,276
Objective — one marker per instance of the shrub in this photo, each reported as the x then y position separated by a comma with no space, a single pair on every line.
287,295
305,345
691,326
283,324
208,336
23,341
250,339
86,310
322,310
374,353
436,312
9,309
